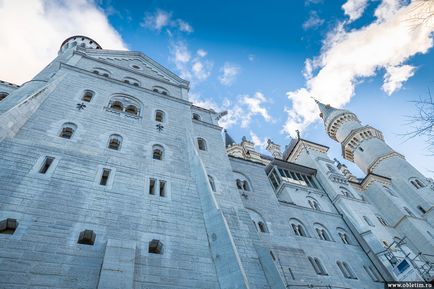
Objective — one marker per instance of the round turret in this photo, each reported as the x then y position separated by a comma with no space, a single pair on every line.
79,40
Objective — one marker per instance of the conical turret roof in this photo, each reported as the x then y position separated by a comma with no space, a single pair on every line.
326,109
228,139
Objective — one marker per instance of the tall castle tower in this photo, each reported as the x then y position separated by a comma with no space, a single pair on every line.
409,197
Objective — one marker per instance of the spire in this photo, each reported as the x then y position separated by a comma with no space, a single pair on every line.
325,109
228,139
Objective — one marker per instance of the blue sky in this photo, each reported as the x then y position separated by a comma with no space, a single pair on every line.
260,60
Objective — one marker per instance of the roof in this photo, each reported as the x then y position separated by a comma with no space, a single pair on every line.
228,139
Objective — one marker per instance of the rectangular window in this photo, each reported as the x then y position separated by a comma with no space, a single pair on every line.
104,177
46,165
162,188
152,186
291,274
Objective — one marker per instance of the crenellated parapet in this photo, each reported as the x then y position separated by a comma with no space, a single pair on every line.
356,137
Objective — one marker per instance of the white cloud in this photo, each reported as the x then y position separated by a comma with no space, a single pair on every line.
254,105
229,73
395,76
313,21
259,142
195,69
184,26
349,56
33,30
240,112
161,19
354,8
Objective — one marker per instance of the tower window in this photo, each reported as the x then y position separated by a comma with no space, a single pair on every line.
196,116
159,116
212,183
46,165
87,96
322,234
162,188
421,209
155,247
104,177
262,227
117,105
3,95
157,152
201,144
115,142
368,221
152,186
239,184
361,149
346,270
382,221
131,109
8,226
67,130
417,183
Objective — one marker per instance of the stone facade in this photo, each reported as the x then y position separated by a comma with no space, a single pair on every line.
111,178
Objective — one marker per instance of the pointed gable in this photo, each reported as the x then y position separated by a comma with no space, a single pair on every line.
137,62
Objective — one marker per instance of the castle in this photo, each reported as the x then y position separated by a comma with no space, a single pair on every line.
111,178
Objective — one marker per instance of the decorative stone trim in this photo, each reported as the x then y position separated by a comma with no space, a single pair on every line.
336,122
375,163
356,137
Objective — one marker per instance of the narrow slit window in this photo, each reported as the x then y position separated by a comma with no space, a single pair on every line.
162,188
46,165
104,177
152,186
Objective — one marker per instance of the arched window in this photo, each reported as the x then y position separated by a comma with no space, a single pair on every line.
160,90
314,204
262,227
344,238
87,96
322,233
3,95
317,266
127,104
408,211
201,143
239,184
368,221
101,71
67,130
132,109
346,270
258,221
157,152
117,105
417,183
159,116
212,183
115,142
196,116
298,228
133,81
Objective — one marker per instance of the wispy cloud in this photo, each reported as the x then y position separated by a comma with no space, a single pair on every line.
195,68
349,56
229,72
313,21
161,19
56,21
354,8
258,141
240,112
